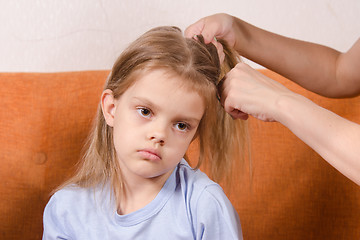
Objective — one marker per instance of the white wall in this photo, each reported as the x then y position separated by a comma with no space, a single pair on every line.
72,35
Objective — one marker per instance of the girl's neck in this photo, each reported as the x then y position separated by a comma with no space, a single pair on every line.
137,195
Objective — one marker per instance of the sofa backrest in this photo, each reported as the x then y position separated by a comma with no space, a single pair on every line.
287,192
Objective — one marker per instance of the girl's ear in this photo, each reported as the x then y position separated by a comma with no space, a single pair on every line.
108,106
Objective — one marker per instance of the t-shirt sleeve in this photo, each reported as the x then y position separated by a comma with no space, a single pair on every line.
54,221
216,218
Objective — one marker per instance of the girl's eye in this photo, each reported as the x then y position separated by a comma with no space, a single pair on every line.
144,112
182,126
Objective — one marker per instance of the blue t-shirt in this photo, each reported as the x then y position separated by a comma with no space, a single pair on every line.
189,206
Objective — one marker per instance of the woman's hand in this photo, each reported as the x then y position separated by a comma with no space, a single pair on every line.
218,26
247,91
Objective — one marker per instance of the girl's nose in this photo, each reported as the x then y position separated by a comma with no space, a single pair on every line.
157,133
158,139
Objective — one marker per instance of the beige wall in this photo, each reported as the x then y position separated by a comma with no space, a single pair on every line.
72,35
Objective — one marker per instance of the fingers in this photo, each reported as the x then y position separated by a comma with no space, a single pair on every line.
208,33
234,93
220,50
247,91
227,100
236,114
194,29
208,29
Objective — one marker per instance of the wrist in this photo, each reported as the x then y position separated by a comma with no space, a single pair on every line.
241,36
288,107
245,39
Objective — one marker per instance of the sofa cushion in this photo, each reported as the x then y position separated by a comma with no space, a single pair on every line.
287,191
45,118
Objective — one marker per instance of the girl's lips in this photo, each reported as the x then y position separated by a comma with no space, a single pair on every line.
149,155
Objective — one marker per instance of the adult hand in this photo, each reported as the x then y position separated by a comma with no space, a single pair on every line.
247,91
218,25
215,26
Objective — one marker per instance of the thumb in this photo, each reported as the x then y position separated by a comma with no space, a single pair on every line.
194,29
207,29
237,114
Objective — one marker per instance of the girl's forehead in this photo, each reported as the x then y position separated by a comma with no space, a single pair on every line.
181,81
163,79
166,92
174,82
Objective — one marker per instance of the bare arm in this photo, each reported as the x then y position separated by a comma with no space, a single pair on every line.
333,137
315,67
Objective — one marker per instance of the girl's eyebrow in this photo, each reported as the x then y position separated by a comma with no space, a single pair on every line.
146,102
154,107
191,120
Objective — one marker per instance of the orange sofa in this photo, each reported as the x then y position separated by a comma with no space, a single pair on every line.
289,192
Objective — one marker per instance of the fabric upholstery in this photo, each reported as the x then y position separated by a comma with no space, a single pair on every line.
287,191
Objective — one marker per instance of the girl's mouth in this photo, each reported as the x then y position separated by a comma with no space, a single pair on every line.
148,154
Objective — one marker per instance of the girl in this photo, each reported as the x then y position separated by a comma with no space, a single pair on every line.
133,182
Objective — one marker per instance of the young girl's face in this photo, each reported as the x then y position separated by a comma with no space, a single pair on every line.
153,122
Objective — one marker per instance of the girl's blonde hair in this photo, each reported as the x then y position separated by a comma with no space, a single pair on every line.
219,136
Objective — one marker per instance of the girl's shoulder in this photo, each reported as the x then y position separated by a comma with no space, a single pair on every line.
196,182
73,207
71,193
212,213
76,199
195,176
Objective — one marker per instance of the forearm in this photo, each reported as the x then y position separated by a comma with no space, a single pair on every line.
310,65
332,137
